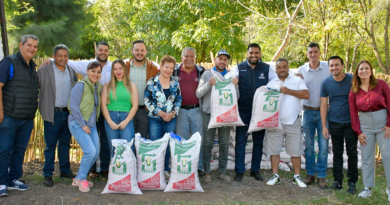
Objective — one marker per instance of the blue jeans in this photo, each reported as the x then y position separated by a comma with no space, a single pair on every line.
191,120
89,143
157,128
104,148
57,133
14,136
311,122
126,134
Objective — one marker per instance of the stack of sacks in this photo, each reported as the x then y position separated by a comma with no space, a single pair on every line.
284,158
330,155
265,163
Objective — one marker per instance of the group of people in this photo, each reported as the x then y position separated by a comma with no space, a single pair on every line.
116,99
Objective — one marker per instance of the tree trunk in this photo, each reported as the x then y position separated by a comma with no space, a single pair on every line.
354,56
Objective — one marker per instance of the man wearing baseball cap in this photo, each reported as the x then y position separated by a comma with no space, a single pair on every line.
204,94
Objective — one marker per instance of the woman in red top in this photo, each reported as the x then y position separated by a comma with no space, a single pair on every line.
369,102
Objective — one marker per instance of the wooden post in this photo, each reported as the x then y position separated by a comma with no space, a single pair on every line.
4,37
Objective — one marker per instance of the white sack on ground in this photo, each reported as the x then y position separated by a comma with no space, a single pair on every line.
265,111
150,162
224,107
122,177
184,167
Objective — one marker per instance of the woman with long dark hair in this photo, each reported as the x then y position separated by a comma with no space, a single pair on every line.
369,102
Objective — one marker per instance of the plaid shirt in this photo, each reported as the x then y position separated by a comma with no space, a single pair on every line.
156,101
138,76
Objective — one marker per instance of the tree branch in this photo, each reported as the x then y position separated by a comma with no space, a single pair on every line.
288,32
261,15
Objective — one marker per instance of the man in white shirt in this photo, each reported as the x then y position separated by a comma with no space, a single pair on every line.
294,89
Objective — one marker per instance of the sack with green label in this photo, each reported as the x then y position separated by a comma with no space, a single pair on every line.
223,101
150,162
184,164
122,177
265,111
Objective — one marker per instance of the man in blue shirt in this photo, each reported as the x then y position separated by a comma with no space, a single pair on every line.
336,89
19,85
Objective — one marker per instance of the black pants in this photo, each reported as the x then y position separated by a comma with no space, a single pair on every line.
339,133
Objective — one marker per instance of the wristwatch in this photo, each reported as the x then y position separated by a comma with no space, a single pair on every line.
174,115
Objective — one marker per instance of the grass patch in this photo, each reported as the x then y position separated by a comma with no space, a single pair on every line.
379,195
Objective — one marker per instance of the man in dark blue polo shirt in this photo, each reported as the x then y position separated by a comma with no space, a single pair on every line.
251,74
336,89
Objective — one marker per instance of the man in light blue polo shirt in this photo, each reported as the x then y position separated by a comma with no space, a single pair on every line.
314,73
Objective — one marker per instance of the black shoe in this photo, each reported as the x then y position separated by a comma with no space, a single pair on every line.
336,185
352,188
238,177
48,182
200,173
257,176
69,175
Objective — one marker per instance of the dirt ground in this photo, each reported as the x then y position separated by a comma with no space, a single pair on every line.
249,191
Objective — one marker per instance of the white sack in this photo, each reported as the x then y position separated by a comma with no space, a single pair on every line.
184,167
122,176
224,107
150,162
265,111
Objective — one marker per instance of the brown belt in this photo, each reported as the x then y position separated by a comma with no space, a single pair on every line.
311,108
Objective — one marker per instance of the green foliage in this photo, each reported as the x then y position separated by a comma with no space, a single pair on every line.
52,21
167,26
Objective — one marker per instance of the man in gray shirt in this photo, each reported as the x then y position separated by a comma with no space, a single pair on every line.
204,94
55,83
314,73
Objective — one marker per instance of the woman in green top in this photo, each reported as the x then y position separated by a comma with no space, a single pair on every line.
119,104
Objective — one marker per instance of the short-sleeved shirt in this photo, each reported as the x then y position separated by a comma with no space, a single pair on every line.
338,92
291,105
189,83
313,79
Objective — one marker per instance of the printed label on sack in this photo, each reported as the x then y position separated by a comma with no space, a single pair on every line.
185,184
183,148
229,116
123,185
148,163
270,122
225,97
151,183
151,146
119,167
271,101
185,164
221,84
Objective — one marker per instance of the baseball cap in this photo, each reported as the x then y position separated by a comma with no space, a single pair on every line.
223,52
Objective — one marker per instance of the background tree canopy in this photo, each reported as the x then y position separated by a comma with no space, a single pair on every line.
352,29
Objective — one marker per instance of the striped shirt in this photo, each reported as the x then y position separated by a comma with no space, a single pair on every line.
138,77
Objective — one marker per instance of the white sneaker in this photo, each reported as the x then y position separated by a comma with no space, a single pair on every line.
298,180
388,193
365,193
274,180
